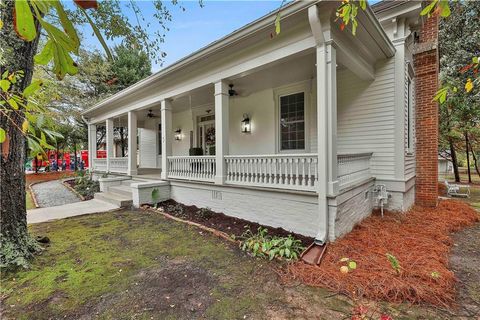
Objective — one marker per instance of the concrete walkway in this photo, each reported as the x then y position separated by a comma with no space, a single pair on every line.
68,210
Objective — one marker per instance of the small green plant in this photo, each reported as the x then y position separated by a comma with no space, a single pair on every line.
393,262
155,197
349,266
260,244
86,186
175,209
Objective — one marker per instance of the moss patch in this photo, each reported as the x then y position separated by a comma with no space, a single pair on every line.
134,264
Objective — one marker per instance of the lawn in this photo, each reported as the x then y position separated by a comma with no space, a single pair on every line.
136,264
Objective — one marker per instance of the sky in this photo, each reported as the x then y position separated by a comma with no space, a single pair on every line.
197,26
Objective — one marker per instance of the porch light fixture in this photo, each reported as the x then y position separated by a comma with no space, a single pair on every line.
178,134
246,126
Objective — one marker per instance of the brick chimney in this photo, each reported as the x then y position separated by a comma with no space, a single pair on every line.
426,64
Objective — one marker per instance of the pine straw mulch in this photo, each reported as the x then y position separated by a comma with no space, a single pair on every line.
420,240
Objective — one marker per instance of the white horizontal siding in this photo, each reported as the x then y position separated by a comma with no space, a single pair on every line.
366,116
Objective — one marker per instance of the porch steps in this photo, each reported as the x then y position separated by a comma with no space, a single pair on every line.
121,189
120,200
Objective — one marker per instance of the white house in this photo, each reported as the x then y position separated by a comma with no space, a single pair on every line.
292,131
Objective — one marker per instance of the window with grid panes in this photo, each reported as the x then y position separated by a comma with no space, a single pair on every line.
292,121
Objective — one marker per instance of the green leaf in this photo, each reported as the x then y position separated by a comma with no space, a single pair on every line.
5,85
32,88
277,23
441,95
444,8
24,24
475,60
46,55
67,26
427,9
13,103
3,135
352,265
98,34
363,4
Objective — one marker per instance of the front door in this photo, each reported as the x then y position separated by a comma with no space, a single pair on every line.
206,134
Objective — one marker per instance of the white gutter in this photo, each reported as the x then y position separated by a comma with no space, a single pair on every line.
237,35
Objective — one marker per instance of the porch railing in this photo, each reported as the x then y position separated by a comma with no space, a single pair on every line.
100,164
118,165
292,171
353,168
200,168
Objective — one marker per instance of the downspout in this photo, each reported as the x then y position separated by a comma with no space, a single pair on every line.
323,220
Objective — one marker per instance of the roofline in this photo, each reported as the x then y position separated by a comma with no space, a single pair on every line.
237,35
256,25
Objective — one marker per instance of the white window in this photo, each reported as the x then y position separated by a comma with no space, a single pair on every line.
292,121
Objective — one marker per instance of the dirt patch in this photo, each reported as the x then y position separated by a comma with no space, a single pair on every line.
419,242
177,288
465,262
222,222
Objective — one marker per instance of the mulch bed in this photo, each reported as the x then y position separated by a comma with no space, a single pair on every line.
222,222
47,176
420,240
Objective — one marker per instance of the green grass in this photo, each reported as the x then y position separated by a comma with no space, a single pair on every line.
134,264
29,200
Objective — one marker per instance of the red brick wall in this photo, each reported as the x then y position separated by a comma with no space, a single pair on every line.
426,85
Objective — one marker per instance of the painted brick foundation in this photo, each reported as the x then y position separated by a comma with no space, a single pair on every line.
426,85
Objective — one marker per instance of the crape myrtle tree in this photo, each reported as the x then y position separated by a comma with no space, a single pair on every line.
22,24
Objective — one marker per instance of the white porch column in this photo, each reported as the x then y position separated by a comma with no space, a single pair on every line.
132,143
221,130
166,120
109,141
92,145
327,131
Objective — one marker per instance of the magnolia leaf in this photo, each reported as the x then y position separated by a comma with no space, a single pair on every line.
23,21
46,55
344,260
41,5
444,8
25,126
3,135
429,8
469,85
1,23
5,85
68,26
363,4
344,269
32,88
441,95
59,37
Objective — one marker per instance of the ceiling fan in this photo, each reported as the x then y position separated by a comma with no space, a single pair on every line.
150,114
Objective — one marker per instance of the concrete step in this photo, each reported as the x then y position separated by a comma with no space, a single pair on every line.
119,200
121,189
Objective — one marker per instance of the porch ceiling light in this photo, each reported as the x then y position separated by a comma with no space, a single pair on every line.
178,134
246,126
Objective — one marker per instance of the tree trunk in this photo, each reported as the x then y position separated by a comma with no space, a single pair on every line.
475,162
122,141
468,158
453,154
14,235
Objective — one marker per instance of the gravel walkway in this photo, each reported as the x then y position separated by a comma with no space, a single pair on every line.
53,193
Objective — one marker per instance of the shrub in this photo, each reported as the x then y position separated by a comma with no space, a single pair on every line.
86,186
262,245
